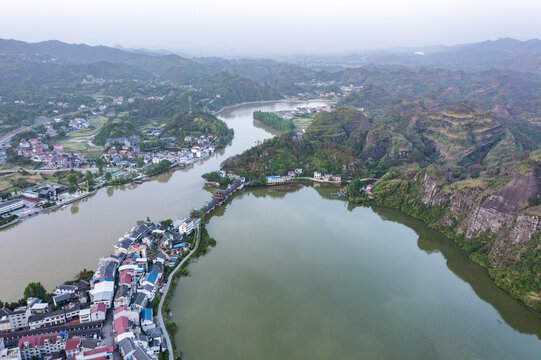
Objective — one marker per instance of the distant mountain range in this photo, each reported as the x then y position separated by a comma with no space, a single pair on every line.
502,54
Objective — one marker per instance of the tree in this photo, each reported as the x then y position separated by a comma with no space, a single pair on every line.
73,178
167,223
108,176
72,189
140,162
89,178
35,289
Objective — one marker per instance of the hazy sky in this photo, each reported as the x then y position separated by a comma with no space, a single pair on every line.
230,27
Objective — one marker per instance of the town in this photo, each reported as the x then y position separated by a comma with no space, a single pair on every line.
122,163
112,312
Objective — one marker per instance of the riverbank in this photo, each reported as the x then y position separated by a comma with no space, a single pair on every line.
520,288
263,102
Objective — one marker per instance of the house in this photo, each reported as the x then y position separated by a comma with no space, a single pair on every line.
47,319
188,225
125,278
140,354
9,354
140,301
132,315
121,324
149,291
99,353
97,312
155,338
84,315
146,319
40,346
62,299
122,329
18,318
141,341
73,347
161,258
103,293
39,307
72,312
66,289
138,232
150,279
5,324
276,179
139,250
317,175
126,348
123,296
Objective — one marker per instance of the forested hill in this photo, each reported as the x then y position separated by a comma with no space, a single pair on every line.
461,170
54,67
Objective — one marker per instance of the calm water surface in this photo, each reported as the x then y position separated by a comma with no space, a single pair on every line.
298,275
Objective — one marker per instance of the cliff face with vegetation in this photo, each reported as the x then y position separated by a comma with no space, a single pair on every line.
495,220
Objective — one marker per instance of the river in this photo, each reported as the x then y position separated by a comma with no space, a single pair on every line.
296,273
54,247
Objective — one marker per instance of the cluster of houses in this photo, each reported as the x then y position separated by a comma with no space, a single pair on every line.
112,314
283,179
35,150
327,177
302,111
121,292
128,157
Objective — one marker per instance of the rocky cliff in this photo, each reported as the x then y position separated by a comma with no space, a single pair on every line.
493,220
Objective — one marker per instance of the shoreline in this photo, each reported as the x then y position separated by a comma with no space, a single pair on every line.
171,169
228,107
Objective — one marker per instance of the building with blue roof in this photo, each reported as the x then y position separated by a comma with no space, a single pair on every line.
151,278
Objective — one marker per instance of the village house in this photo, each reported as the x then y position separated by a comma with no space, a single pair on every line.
188,225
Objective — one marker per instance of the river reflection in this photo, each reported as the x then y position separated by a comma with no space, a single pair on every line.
299,273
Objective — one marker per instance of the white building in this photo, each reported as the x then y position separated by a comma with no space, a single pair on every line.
188,225
102,293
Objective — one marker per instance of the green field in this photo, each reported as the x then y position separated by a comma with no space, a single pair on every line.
302,122
78,146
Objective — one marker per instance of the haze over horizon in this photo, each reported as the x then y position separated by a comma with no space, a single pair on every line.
233,28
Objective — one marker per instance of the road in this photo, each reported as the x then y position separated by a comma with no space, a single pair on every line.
38,121
166,289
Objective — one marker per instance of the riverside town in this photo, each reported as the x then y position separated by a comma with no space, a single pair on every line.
244,180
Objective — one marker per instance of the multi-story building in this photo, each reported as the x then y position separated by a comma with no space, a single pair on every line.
40,346
47,319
